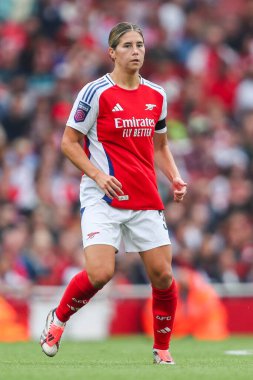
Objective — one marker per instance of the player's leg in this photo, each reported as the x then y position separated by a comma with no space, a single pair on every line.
147,233
99,269
101,239
157,262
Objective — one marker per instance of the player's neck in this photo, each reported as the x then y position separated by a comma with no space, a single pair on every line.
126,80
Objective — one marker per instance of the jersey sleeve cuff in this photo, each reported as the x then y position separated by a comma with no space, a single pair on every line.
161,130
79,129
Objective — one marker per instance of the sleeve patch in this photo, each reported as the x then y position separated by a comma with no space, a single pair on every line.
81,111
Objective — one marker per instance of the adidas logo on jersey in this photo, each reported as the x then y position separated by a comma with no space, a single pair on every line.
117,108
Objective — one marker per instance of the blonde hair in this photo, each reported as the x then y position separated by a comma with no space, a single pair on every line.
119,30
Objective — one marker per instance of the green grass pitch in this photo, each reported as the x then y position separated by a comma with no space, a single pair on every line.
128,358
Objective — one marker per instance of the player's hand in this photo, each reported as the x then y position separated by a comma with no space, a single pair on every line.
109,184
179,189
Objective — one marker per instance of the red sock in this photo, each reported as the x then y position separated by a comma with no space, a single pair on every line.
77,294
164,309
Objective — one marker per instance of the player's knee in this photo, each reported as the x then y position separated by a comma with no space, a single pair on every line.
162,279
100,277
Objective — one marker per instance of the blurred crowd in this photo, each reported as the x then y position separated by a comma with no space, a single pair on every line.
201,52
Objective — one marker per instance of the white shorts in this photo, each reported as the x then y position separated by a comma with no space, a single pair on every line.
139,230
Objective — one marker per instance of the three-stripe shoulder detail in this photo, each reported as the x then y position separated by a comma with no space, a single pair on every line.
152,85
109,79
93,87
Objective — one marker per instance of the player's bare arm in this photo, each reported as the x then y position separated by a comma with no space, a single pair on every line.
71,147
165,162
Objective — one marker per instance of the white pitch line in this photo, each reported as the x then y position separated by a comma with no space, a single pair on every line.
239,352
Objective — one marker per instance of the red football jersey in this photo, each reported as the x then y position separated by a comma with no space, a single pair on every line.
119,125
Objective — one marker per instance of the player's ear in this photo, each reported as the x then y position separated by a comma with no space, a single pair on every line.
111,53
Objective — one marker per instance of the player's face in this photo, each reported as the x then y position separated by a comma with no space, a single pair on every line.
129,53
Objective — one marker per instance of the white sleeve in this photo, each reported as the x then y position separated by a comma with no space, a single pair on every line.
161,125
83,115
164,107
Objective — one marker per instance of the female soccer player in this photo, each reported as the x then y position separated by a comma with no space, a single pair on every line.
122,118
